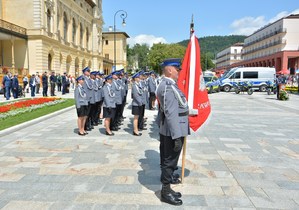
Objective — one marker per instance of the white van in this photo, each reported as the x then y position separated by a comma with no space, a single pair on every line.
258,76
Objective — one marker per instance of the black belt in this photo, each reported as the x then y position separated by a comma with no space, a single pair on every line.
184,113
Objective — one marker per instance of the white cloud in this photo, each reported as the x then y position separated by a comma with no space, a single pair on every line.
248,25
145,39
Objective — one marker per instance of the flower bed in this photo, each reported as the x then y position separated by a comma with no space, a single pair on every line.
24,103
23,106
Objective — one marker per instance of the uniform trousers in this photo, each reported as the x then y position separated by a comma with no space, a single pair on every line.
116,119
140,118
151,99
92,113
87,123
168,157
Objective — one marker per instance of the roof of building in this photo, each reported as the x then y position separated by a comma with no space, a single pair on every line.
293,16
116,32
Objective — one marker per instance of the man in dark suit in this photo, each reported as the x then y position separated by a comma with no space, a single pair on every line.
64,83
7,85
15,86
53,80
45,84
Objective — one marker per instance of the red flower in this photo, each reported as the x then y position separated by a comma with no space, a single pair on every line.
25,103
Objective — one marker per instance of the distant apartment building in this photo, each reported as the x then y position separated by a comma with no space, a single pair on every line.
274,45
229,56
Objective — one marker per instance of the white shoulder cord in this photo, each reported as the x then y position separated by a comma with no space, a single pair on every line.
116,85
112,95
182,103
95,86
87,83
83,95
138,89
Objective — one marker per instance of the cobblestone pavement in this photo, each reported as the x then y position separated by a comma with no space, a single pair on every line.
245,157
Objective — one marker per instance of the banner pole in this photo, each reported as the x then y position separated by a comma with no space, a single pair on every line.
183,159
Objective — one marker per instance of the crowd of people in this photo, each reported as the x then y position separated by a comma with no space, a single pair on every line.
37,84
96,92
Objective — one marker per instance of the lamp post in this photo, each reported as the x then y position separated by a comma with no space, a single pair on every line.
123,15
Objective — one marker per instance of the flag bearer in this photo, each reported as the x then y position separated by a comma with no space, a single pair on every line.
174,126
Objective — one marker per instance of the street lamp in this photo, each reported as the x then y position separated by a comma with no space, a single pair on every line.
123,15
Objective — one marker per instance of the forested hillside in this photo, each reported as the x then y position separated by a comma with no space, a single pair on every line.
214,44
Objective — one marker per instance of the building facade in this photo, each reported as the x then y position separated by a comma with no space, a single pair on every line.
53,35
115,48
275,45
229,56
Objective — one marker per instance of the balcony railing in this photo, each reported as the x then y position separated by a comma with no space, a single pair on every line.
282,30
14,29
283,41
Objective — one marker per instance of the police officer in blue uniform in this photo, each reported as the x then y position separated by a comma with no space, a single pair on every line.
174,126
81,105
117,87
137,102
109,104
152,86
99,84
88,87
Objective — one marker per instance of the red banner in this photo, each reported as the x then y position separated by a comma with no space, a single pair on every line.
191,82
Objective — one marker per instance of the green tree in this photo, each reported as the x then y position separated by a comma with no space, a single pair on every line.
138,54
160,51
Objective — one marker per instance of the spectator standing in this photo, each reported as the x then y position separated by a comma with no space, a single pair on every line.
37,79
15,86
64,83
59,82
7,82
53,80
25,83
32,84
45,84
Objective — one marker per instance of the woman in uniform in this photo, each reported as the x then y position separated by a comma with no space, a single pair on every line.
109,104
137,96
81,105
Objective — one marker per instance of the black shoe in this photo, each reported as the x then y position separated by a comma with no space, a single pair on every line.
81,134
136,134
142,129
175,181
168,197
85,133
175,176
109,134
88,129
176,194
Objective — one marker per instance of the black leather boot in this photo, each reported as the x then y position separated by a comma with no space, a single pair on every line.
168,197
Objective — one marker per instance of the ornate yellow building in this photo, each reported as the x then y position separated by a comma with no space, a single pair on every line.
53,35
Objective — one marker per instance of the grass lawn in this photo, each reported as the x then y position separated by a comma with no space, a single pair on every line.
20,118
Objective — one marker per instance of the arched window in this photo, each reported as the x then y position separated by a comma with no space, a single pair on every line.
87,37
81,34
74,31
49,20
49,62
65,27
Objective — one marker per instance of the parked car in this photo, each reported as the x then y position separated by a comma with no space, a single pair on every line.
212,84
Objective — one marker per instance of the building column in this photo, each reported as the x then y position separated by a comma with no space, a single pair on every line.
284,61
12,53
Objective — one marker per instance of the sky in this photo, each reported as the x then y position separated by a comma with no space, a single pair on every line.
168,21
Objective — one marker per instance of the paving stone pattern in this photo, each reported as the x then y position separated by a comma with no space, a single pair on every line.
245,157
